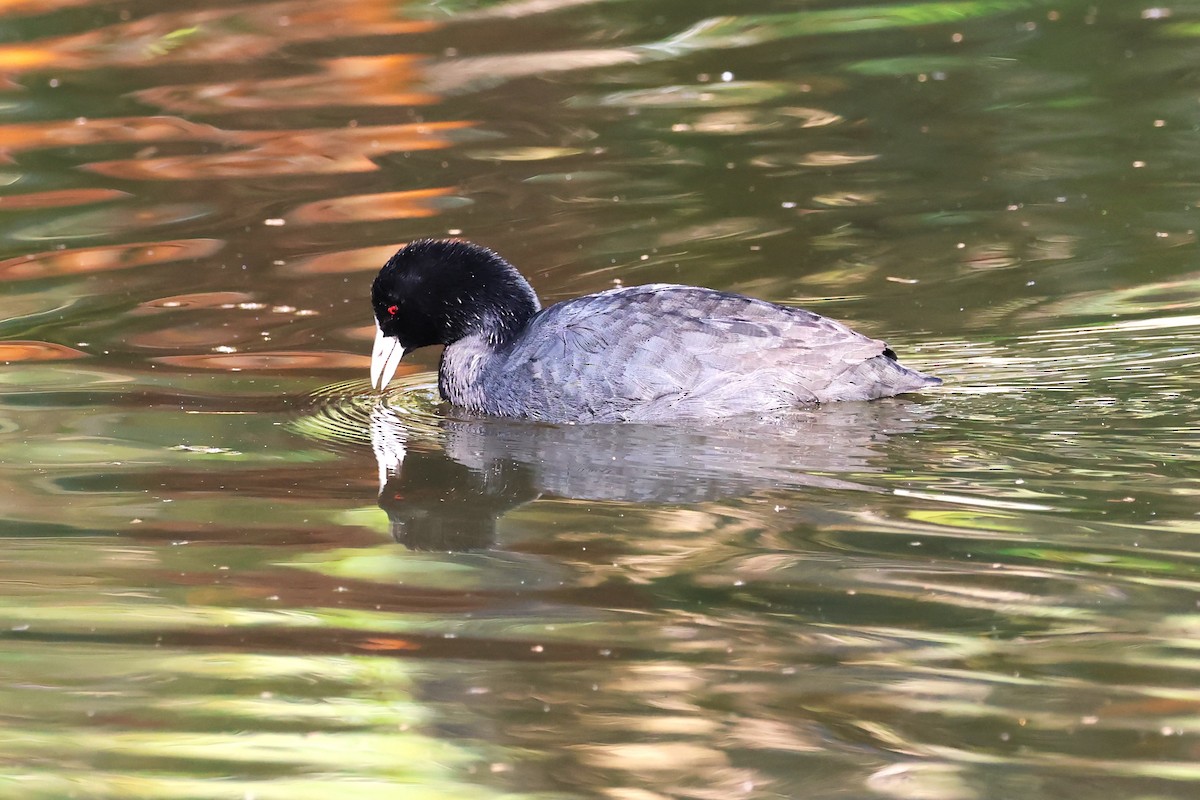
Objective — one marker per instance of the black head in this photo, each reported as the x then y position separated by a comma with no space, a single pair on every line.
438,291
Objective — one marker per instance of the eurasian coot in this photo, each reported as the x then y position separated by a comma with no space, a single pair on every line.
655,353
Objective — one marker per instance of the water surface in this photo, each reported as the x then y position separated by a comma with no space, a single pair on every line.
229,573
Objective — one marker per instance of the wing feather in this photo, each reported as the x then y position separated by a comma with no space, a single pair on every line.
646,351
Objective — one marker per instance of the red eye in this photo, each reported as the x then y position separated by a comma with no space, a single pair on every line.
392,310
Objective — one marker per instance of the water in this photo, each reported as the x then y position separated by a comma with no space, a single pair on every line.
228,573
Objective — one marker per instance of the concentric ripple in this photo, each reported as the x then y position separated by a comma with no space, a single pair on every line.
339,414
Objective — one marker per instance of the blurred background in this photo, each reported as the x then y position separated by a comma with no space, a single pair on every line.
226,572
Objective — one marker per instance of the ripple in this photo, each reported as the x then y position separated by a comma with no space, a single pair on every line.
37,351
1180,294
87,260
412,204
341,413
58,198
847,198
748,228
296,152
195,300
41,6
729,122
238,33
719,33
358,81
1065,359
811,117
732,93
360,259
576,176
83,131
823,159
504,10
107,221
834,159
458,76
269,361
524,153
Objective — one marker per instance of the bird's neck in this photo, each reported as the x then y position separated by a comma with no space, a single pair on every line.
490,319
500,318
499,327
461,371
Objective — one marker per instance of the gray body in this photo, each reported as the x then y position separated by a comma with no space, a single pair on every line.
661,353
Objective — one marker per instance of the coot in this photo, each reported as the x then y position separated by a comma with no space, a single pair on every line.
655,353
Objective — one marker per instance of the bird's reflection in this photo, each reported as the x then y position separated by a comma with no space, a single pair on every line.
437,503
447,494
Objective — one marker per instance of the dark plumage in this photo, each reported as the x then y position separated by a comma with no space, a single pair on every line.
655,353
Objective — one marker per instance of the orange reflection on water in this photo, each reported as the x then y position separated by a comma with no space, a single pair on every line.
361,259
356,81
40,6
109,257
247,152
238,33
194,300
313,152
37,351
277,360
19,58
58,198
75,133
208,334
382,643
412,204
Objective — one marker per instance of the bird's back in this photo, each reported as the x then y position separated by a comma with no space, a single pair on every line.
663,352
